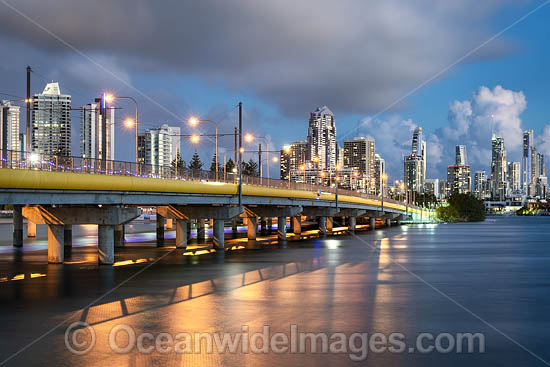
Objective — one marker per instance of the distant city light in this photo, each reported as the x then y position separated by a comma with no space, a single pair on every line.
193,121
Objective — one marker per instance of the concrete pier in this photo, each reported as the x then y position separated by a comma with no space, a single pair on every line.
55,244
106,244
160,230
31,229
372,223
201,230
219,233
169,224
330,225
351,224
269,225
17,226
388,222
263,225
297,224
119,235
322,226
181,233
68,235
252,224
281,229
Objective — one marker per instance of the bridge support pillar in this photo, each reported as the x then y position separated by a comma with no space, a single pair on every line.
263,225
388,222
281,229
269,225
56,253
31,229
201,230
330,224
351,224
68,235
160,230
17,226
372,224
297,224
252,223
322,226
106,244
119,235
181,233
234,225
219,234
169,224
398,222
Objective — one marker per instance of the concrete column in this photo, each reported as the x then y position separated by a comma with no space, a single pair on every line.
372,224
281,229
169,224
252,227
106,244
189,225
160,230
398,222
18,226
119,235
31,229
68,235
219,234
330,224
55,244
269,225
201,230
263,225
351,224
297,224
322,226
388,222
181,233
234,225
292,226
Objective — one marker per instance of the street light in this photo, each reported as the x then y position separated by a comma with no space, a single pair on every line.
110,98
384,179
194,121
195,139
250,138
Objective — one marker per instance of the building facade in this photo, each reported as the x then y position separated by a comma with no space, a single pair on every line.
292,157
498,168
161,146
97,130
51,121
9,128
459,179
321,138
379,173
414,166
359,157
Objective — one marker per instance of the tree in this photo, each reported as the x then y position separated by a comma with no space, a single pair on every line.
178,163
229,166
250,168
462,208
425,199
195,163
213,165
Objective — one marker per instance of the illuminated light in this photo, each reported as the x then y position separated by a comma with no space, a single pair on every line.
235,170
4,279
286,148
35,157
240,247
76,262
275,159
108,97
323,174
129,122
138,261
248,137
18,277
356,174
195,138
193,121
37,275
302,167
122,263
241,150
315,159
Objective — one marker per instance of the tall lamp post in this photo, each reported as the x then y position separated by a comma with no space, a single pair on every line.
384,179
193,121
109,98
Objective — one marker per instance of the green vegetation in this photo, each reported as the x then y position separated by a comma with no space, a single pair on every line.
462,208
528,210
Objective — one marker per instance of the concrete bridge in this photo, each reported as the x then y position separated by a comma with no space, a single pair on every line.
61,195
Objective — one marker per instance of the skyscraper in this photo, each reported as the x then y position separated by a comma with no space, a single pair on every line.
461,158
96,124
514,176
9,128
498,168
379,171
51,121
292,157
459,178
431,186
359,157
481,185
527,160
321,138
415,164
161,146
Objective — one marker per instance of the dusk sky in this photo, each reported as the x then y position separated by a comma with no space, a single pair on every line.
284,58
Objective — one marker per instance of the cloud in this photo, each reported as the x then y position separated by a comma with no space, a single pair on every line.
470,123
358,56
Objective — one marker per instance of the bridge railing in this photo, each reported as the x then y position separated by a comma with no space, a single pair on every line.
60,163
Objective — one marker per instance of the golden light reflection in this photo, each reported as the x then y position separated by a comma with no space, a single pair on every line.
18,277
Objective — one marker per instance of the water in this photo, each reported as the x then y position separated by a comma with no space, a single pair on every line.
492,278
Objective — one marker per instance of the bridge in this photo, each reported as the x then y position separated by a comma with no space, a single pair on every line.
60,191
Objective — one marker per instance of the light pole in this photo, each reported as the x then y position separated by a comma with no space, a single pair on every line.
193,121
109,98
249,138
384,179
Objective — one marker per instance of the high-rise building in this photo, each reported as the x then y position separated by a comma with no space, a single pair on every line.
51,121
415,164
461,158
321,139
141,149
432,187
379,172
97,130
9,128
541,168
293,156
161,146
498,168
359,156
459,179
528,159
481,185
514,176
